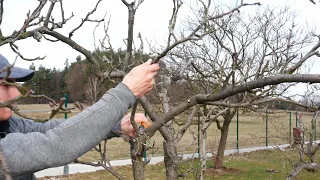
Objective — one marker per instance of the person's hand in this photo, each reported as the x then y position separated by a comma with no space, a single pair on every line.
126,126
140,79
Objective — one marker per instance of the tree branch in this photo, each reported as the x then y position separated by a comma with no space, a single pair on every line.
99,164
236,9
33,16
86,19
193,33
311,53
15,49
215,119
135,127
46,21
300,167
1,15
186,124
251,103
125,2
202,98
131,16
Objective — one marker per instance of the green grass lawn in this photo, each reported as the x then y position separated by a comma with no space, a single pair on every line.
252,133
248,166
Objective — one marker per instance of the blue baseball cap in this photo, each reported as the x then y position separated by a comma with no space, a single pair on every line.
19,74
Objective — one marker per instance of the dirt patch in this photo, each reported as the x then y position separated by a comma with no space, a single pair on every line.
222,171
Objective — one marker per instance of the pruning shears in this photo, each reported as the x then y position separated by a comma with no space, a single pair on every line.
143,126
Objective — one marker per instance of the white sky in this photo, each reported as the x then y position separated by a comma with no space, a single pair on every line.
151,20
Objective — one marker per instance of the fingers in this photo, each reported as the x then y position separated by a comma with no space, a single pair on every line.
140,79
126,126
148,62
154,67
133,133
139,117
126,118
154,73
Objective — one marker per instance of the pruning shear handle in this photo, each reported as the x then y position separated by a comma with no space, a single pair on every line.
146,124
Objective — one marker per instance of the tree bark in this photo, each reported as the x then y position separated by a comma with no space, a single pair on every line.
203,157
138,168
171,158
222,144
136,158
297,170
128,57
203,151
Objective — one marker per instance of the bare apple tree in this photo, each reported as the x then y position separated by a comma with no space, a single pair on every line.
244,50
220,52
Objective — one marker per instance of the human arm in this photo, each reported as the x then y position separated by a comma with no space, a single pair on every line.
139,80
31,152
28,126
18,124
124,126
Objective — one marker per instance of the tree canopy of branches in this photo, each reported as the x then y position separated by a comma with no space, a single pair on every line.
244,49
229,59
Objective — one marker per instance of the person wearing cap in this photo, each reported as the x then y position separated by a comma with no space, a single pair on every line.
29,146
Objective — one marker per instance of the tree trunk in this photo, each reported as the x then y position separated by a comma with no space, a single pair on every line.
138,169
203,157
171,159
203,151
136,153
222,143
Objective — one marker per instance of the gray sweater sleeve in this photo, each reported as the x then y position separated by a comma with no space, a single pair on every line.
31,152
27,126
18,124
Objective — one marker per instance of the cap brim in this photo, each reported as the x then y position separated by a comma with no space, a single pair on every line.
19,74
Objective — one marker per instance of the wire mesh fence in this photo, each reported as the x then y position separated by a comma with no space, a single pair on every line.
254,129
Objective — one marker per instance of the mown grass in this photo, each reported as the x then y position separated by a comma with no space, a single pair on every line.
252,132
247,166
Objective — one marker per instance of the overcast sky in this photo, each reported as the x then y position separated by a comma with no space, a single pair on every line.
151,20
